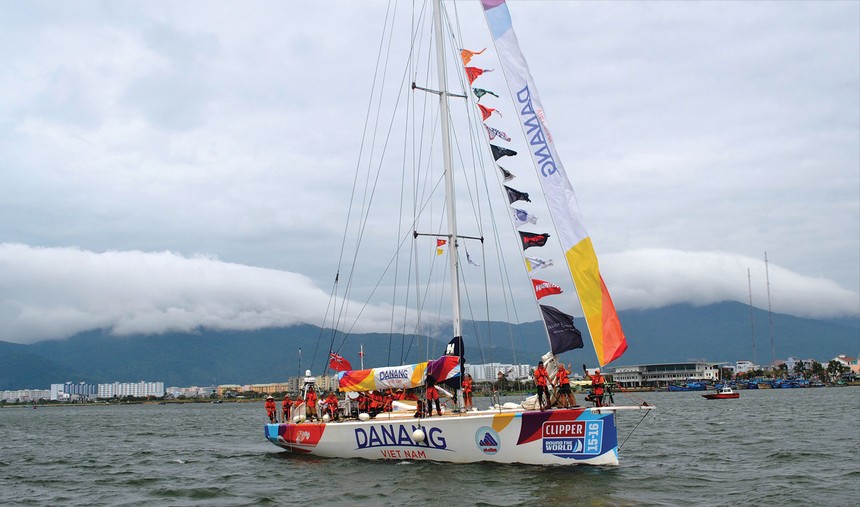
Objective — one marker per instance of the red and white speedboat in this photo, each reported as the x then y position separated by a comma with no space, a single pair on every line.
724,393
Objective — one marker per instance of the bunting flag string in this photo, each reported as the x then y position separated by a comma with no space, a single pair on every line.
506,175
544,288
439,244
467,55
536,263
499,152
516,195
531,239
493,132
523,217
474,73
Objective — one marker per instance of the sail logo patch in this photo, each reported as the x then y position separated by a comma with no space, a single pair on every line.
570,438
487,440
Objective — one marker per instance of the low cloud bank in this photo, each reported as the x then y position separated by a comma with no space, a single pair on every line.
651,278
50,293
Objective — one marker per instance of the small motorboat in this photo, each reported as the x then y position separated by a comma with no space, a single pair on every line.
723,393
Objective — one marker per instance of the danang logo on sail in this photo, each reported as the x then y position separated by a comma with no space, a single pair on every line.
533,128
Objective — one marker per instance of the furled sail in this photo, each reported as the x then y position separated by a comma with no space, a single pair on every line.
600,315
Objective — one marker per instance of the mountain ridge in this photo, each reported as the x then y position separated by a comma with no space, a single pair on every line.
719,332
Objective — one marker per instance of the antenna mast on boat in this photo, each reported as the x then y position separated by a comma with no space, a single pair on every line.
769,311
446,158
752,317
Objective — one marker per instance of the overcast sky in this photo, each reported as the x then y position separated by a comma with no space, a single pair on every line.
172,165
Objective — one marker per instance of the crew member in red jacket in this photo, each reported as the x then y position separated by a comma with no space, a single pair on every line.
331,405
271,410
562,383
597,382
311,403
467,392
541,378
432,396
286,405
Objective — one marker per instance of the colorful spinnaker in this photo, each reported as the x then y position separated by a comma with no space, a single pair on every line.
600,315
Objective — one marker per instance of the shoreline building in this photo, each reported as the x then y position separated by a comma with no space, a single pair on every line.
140,389
662,374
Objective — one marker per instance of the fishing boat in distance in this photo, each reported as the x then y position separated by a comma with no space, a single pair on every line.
723,393
377,420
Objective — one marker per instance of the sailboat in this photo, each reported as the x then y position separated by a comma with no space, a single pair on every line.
530,432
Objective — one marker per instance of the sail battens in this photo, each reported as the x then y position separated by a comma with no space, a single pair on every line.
600,315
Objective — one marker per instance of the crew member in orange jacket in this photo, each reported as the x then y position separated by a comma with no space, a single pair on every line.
271,410
597,382
432,396
467,392
562,383
311,403
331,405
541,378
286,405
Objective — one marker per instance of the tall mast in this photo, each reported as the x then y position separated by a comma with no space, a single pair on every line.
752,317
769,311
446,159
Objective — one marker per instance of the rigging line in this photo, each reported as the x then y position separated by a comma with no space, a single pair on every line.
634,429
336,319
369,195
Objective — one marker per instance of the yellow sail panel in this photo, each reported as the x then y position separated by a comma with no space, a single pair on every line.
603,324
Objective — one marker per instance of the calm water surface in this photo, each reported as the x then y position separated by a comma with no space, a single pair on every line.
770,447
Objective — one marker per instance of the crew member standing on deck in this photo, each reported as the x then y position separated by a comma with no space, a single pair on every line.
311,403
541,378
432,396
286,405
467,392
562,383
271,410
597,382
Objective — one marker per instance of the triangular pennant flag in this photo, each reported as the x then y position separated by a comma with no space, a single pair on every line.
493,133
506,175
440,242
480,92
531,239
486,112
467,55
563,335
516,195
499,152
440,251
536,263
474,73
470,261
544,288
523,217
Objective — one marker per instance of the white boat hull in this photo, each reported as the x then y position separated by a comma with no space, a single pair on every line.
552,437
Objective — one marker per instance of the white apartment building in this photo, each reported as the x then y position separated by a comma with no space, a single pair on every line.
140,389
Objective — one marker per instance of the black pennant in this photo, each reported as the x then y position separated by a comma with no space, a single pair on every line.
499,152
516,195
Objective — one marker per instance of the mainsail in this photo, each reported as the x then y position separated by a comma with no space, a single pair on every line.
603,324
